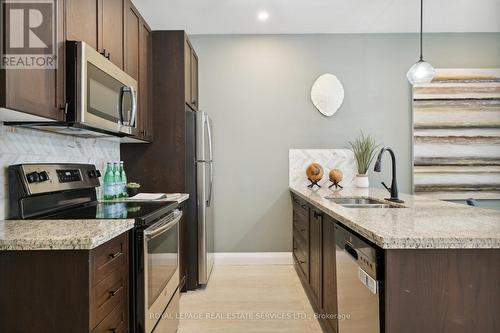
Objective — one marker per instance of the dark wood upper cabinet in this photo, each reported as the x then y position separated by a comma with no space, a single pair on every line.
131,42
145,117
82,18
194,80
99,23
315,248
187,71
111,30
38,92
190,75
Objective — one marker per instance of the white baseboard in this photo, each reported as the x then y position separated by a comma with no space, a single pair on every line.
253,258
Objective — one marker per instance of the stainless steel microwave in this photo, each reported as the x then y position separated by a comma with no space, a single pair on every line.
99,95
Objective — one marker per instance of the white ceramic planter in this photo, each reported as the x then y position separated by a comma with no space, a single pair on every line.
362,181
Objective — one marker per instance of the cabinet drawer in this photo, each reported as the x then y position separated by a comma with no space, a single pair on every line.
107,295
300,253
109,257
300,205
115,322
301,224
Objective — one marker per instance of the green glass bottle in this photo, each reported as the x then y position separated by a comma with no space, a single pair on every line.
123,181
109,179
117,181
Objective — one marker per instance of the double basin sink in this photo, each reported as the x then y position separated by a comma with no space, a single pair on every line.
363,203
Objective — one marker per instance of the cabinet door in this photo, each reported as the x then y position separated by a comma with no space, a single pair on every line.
187,72
82,21
37,91
329,273
111,30
131,40
315,248
194,80
145,118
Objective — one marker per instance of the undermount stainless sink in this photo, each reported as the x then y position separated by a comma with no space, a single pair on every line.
362,203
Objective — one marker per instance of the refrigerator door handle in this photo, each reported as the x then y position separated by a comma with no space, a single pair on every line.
209,134
211,184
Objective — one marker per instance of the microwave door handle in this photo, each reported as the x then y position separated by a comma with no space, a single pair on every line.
120,104
134,106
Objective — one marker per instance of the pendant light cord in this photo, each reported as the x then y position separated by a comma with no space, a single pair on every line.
421,27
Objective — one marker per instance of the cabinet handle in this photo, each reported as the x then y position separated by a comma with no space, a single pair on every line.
302,230
302,261
64,108
114,255
106,55
303,206
114,292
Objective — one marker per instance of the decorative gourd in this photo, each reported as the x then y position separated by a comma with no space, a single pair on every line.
314,172
336,176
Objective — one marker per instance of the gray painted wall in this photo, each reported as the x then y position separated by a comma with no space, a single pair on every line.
256,89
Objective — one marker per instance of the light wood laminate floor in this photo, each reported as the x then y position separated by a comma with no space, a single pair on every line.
239,298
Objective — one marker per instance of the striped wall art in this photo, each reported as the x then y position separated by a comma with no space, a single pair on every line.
456,128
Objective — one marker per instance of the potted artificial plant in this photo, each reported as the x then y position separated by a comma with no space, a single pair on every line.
364,152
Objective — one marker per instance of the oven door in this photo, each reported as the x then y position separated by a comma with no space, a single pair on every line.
161,267
106,95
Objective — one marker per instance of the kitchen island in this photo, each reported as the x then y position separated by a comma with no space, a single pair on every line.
438,261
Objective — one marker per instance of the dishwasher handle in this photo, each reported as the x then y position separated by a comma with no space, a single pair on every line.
350,250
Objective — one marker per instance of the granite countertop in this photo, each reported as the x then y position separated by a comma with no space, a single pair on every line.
59,234
424,223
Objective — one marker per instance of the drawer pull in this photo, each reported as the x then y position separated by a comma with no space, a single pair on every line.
114,292
115,255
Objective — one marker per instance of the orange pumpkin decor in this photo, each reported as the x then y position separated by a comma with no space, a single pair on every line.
335,177
314,173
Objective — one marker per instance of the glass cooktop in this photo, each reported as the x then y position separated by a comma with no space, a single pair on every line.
117,210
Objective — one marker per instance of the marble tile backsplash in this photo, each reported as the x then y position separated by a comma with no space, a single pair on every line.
21,145
342,159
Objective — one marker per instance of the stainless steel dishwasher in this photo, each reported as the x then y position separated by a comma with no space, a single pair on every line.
357,285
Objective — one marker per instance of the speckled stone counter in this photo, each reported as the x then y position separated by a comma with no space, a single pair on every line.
424,223
59,234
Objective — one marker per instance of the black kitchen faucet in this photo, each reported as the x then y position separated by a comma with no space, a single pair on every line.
393,190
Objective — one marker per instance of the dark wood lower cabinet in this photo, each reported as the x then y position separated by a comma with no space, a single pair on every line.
329,274
47,291
442,290
315,280
314,258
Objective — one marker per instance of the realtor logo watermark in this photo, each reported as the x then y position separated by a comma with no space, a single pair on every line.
29,34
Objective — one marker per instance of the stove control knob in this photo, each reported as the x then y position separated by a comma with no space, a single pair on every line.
92,174
33,177
44,176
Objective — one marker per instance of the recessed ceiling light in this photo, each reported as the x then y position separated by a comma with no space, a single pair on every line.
263,15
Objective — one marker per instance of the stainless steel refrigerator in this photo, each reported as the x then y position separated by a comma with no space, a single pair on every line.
205,189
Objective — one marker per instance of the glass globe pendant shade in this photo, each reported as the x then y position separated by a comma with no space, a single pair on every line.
421,72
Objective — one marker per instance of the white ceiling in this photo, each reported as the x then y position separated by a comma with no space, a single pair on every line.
320,16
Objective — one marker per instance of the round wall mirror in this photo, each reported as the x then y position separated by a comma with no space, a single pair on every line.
327,94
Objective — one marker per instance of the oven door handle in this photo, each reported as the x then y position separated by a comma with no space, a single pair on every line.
160,227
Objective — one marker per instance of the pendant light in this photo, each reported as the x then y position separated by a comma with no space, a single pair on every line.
422,71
